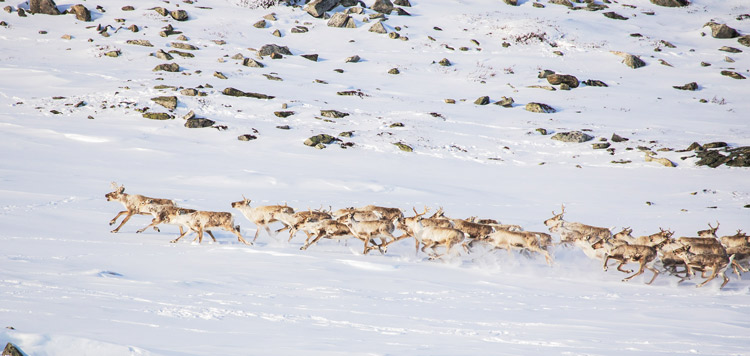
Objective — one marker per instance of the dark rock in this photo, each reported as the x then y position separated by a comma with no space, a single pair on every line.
401,12
182,54
199,122
545,73
561,2
506,102
595,83
717,144
378,28
556,79
732,74
182,45
299,29
572,136
512,2
145,43
189,92
689,86
283,114
318,8
260,24
394,71
403,147
179,15
482,100
353,59
161,11
246,137
128,8
334,114
319,139
721,30
633,61
12,350
600,145
269,49
445,62
615,16
730,49
220,75
346,134
542,131
382,6
167,67
169,102
240,93
157,116
341,20
744,40
47,7
81,12
249,62
283,127
670,3
312,57
402,3
540,108
618,138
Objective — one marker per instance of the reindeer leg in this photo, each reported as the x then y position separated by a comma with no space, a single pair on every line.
268,230
113,221
619,267
606,260
713,275
726,280
123,221
181,236
640,271
257,230
656,273
211,234
153,224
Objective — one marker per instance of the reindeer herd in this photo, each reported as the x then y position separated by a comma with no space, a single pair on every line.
375,227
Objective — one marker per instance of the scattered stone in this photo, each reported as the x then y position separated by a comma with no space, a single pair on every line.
572,136
633,61
561,2
615,16
269,49
260,24
157,116
622,161
732,74
299,29
705,64
270,17
128,8
283,114
394,71
220,75
167,67
341,20
556,79
482,100
403,147
600,145
689,86
8,9
145,43
182,54
249,62
283,127
235,92
169,102
276,33
721,30
544,74
511,2
333,114
542,131
353,59
618,138
12,350
182,45
663,161
664,63
594,83
450,101
46,7
378,28
730,49
670,3
198,123
346,134
21,12
189,92
115,53
246,137
394,35
445,62
401,12
312,57
133,28
744,40
382,6
273,77
718,144
319,139
540,108
506,102
81,12
318,8
161,11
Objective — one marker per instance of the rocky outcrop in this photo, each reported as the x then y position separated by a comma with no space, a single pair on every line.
318,8
540,108
47,7
572,136
556,79
81,12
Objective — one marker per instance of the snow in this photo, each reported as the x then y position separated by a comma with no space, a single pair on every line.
68,286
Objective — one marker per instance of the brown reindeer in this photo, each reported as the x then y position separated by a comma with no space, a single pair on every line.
624,253
200,221
573,231
262,216
134,204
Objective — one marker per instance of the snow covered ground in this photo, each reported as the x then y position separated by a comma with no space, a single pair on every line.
69,286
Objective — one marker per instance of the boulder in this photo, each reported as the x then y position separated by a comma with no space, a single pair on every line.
744,40
378,27
12,350
540,108
157,116
182,45
199,122
670,3
689,86
246,137
572,136
732,74
633,61
236,92
179,15
339,19
249,62
81,12
318,8
319,139
163,55
506,102
353,59
313,57
403,147
169,102
333,114
721,30
445,62
382,6
167,67
556,79
269,49
47,7
482,100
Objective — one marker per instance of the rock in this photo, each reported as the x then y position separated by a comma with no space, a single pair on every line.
182,45
402,3
341,20
718,144
346,134
169,102
246,137
128,8
269,49
318,8
721,30
249,62
353,59
633,61
334,114
600,145
613,15
260,24
394,71
270,17
594,83
312,57
199,122
157,116
12,350
394,35
540,108
556,79
220,75
319,139
744,40
378,28
145,43
161,11
618,138
732,74
283,114
561,2
572,136
81,12
689,86
133,28
730,49
299,29
450,101
382,6
445,62
46,7
182,54
8,9
115,53
670,3
276,33
167,67
403,147
401,12
189,92
482,100
240,93
179,15
544,74
506,102
21,12
663,161
512,2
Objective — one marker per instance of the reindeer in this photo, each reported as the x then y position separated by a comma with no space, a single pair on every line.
710,232
474,231
368,230
652,240
330,229
302,220
524,240
573,231
409,224
434,236
624,253
134,204
716,263
262,215
200,221
385,213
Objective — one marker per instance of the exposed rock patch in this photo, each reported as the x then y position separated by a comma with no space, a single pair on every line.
540,108
572,136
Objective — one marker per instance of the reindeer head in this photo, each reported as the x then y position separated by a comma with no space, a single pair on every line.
626,231
556,218
117,192
242,203
666,233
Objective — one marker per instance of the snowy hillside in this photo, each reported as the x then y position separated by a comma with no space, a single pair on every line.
421,117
